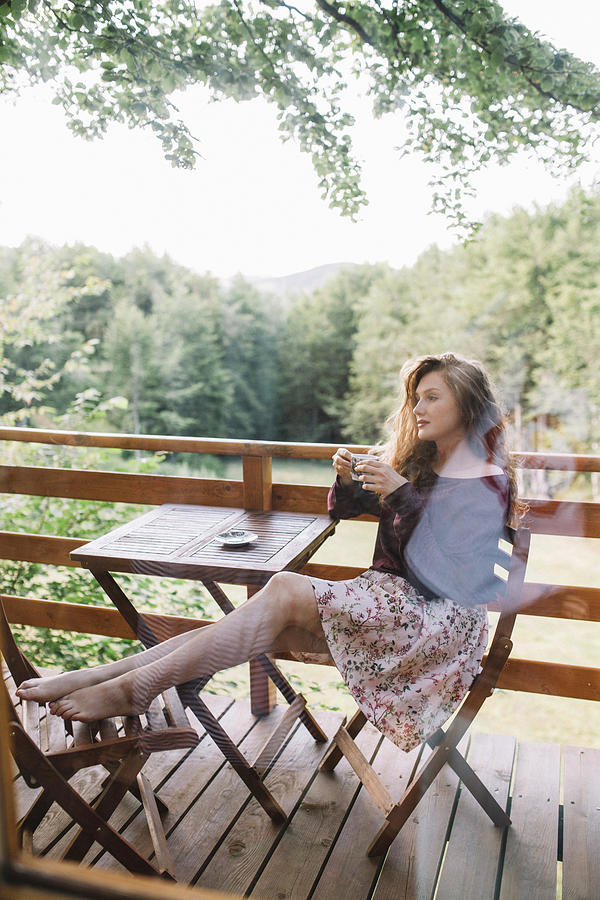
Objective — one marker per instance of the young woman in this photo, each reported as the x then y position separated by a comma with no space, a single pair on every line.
407,635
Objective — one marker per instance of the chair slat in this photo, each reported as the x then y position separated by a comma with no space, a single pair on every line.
31,720
365,771
10,684
56,736
157,834
108,730
175,708
516,575
155,716
82,734
132,725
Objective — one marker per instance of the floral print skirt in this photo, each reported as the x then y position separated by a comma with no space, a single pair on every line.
408,661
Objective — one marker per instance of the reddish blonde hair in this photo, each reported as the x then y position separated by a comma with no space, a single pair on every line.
482,419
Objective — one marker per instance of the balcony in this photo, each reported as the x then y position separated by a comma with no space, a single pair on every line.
220,838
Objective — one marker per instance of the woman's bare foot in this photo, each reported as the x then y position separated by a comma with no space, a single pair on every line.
114,697
54,686
45,689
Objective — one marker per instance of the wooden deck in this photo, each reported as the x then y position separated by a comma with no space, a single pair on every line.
221,838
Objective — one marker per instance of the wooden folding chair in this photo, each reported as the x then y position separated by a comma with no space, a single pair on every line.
48,751
443,742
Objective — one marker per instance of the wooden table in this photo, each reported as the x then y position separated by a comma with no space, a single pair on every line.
180,541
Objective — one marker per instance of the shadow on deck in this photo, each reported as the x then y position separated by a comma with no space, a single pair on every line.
221,838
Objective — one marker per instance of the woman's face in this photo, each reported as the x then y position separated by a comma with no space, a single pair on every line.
437,413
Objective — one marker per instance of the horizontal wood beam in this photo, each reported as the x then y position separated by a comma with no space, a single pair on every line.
39,548
331,571
170,444
39,878
101,620
536,677
556,600
119,487
560,601
307,498
555,679
560,517
531,676
574,518
558,462
573,462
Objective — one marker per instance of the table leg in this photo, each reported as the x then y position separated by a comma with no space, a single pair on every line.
263,695
189,697
136,622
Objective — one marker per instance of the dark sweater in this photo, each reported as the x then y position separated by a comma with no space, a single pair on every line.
443,540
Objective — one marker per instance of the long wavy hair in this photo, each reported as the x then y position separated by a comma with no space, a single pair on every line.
481,414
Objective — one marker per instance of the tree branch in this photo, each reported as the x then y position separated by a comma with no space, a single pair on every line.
60,21
393,25
346,20
461,24
292,9
450,15
255,43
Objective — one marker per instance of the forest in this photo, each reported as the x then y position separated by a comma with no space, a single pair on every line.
143,345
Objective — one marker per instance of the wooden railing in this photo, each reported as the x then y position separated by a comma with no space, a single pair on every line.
256,490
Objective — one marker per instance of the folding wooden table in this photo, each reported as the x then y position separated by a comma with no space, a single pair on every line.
180,541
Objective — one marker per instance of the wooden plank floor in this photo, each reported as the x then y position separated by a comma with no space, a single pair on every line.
220,837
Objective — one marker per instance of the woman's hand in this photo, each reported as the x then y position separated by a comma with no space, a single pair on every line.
342,460
379,477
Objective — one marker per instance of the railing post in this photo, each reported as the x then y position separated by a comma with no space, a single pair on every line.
258,481
258,488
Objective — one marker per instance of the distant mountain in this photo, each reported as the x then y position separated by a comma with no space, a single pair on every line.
287,285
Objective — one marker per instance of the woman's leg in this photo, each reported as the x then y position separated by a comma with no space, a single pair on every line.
281,616
54,686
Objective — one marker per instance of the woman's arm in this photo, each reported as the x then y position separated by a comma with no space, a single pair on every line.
345,501
347,498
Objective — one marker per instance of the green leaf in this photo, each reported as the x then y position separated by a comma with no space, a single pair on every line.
497,57
126,57
17,8
547,83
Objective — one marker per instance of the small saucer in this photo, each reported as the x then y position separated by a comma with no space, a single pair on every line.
236,537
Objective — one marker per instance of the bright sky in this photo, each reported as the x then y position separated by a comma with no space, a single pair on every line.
252,205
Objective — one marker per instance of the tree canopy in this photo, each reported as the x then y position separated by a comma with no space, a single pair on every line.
475,84
152,347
